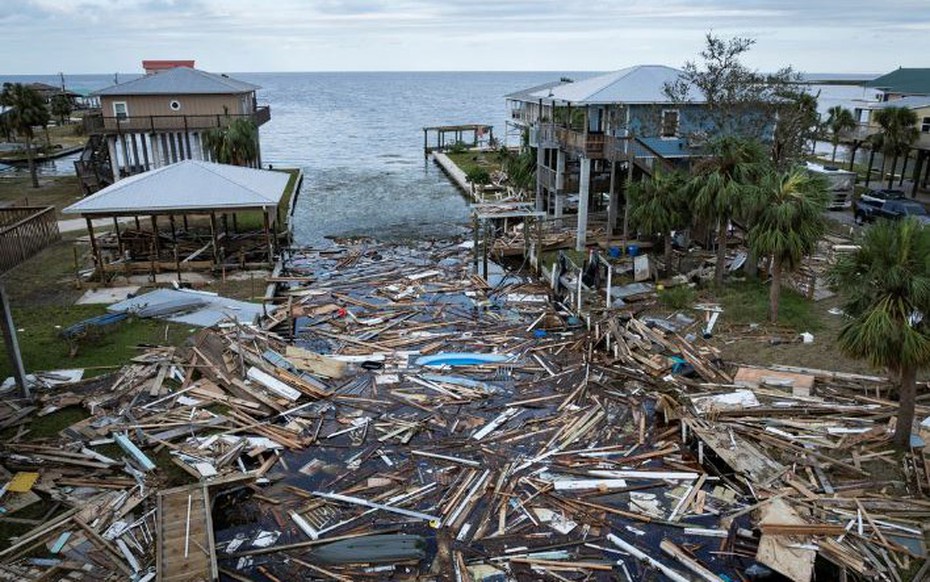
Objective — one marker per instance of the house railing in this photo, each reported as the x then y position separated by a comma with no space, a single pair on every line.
24,231
97,123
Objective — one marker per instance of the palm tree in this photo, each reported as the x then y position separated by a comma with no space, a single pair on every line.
235,144
659,205
789,222
28,111
839,121
886,284
61,107
898,132
722,183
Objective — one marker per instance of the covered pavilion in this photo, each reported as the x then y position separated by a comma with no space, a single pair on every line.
188,188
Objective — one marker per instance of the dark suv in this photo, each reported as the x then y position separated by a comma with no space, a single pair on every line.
892,210
878,196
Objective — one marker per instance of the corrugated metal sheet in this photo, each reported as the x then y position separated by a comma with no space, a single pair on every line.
187,186
214,310
180,81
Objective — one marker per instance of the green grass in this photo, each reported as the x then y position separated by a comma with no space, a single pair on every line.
43,349
48,426
470,162
748,302
247,221
57,191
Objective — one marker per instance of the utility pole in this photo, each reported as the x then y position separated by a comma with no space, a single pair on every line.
12,345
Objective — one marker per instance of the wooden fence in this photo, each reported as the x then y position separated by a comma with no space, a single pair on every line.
24,231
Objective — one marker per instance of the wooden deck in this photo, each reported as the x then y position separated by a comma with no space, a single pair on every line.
185,535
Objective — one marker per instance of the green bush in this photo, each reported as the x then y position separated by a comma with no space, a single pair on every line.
478,176
458,147
680,297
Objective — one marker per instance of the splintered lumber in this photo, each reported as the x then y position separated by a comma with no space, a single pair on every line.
373,505
688,562
497,422
674,575
781,553
315,363
131,449
739,454
273,384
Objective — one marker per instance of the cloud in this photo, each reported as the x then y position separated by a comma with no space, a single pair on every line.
236,35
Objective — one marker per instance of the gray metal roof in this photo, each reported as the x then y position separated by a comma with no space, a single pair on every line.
633,85
527,94
187,186
180,81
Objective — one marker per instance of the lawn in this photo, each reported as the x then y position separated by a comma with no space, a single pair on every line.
57,191
469,161
43,349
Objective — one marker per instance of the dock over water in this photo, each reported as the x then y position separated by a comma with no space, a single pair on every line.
446,136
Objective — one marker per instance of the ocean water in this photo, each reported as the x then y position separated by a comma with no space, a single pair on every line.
358,138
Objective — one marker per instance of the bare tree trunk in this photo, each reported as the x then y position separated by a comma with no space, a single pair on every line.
833,157
668,254
775,290
906,400
30,156
721,251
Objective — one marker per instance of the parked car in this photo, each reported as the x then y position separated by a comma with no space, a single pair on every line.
879,195
892,210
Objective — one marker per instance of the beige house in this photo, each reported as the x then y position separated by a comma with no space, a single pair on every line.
160,119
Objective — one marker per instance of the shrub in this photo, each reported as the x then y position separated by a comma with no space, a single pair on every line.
478,176
680,297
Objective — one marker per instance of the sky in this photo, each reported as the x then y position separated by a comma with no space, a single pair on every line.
106,36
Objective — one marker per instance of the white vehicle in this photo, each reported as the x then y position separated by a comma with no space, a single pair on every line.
842,183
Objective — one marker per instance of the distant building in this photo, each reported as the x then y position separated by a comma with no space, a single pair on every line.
152,67
910,89
160,119
593,134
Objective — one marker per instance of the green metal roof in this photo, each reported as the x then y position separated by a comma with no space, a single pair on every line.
909,81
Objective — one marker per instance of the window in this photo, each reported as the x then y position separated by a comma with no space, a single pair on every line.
670,123
120,110
174,105
925,125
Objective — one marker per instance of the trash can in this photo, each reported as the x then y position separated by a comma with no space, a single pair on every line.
614,252
632,250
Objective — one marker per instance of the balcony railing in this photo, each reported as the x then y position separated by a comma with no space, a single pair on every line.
591,145
97,123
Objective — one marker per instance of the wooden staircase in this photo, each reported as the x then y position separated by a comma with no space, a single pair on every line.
94,168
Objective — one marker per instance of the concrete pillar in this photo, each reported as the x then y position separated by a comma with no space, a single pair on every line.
114,161
584,192
540,164
559,183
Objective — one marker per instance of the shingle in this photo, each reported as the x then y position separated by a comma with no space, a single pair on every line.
910,81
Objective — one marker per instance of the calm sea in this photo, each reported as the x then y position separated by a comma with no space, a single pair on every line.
358,137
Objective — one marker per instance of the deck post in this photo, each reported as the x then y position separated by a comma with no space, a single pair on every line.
155,233
95,249
612,203
583,194
12,344
119,237
265,220
216,244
